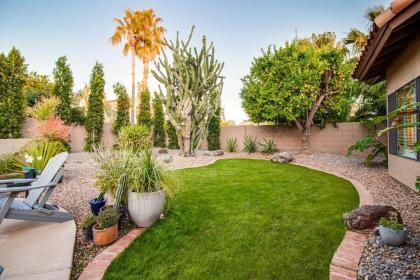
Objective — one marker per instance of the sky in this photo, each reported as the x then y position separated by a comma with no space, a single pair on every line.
44,30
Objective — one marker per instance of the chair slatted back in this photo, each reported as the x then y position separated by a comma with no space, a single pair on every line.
47,177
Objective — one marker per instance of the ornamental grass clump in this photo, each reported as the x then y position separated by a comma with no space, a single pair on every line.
134,137
150,176
232,145
250,144
268,147
44,109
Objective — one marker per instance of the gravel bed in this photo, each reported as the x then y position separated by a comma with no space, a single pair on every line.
78,187
381,261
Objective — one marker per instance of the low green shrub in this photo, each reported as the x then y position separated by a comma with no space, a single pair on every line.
7,164
392,223
250,144
135,137
78,116
172,138
232,145
88,221
268,147
107,218
370,143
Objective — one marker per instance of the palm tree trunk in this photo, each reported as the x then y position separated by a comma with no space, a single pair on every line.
145,74
133,86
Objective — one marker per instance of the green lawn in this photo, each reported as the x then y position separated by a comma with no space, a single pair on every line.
243,219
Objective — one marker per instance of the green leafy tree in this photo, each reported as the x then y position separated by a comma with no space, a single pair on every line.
172,137
123,108
36,87
213,134
301,84
95,113
12,97
158,123
144,117
63,87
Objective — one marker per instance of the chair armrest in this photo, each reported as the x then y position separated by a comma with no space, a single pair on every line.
25,188
17,181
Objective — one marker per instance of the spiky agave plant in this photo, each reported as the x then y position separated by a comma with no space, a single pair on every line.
250,144
268,147
232,145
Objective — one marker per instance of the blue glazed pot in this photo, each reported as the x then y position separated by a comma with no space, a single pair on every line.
96,205
30,174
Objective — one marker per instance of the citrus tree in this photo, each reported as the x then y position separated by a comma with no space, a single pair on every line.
301,84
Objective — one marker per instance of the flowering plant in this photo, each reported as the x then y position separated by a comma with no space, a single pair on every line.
53,129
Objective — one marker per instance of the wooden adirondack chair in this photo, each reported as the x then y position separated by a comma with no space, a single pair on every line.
35,207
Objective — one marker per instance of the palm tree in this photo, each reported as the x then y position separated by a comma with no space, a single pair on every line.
357,38
372,12
126,29
149,36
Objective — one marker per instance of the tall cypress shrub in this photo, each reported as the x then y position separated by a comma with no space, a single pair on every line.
213,134
144,117
63,88
12,97
172,138
123,108
95,113
158,123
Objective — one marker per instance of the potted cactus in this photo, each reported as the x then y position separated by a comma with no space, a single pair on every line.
105,231
392,232
87,225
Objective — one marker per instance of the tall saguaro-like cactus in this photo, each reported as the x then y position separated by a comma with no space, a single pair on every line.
193,85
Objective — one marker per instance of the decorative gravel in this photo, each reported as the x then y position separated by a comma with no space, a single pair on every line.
381,261
78,187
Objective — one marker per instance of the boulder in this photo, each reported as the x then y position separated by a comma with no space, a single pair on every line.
283,157
368,216
163,151
218,153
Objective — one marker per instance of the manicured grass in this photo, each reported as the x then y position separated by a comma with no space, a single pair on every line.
243,219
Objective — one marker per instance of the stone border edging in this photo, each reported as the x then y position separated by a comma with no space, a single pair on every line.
345,262
96,268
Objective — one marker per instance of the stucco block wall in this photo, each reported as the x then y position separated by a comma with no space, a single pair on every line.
8,146
402,70
331,139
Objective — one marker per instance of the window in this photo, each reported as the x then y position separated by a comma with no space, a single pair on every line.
407,137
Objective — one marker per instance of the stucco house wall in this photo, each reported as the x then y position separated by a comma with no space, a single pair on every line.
405,68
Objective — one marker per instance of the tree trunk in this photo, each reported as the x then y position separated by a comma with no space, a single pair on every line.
145,75
133,86
306,148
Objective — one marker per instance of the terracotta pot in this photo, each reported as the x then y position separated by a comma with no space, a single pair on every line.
105,236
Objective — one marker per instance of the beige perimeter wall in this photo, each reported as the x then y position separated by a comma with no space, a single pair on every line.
402,70
330,139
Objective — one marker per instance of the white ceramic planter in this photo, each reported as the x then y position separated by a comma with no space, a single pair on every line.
393,237
145,208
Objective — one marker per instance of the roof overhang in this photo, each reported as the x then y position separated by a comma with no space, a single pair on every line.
387,42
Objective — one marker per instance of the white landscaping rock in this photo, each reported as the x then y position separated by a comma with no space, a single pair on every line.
283,157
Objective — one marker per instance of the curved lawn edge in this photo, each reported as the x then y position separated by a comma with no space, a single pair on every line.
345,262
343,266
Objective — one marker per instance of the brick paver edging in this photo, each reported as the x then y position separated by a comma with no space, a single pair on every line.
345,262
96,268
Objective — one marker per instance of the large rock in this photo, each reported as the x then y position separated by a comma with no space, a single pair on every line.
282,157
368,216
218,153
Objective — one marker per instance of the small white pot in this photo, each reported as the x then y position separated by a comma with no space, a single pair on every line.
145,208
